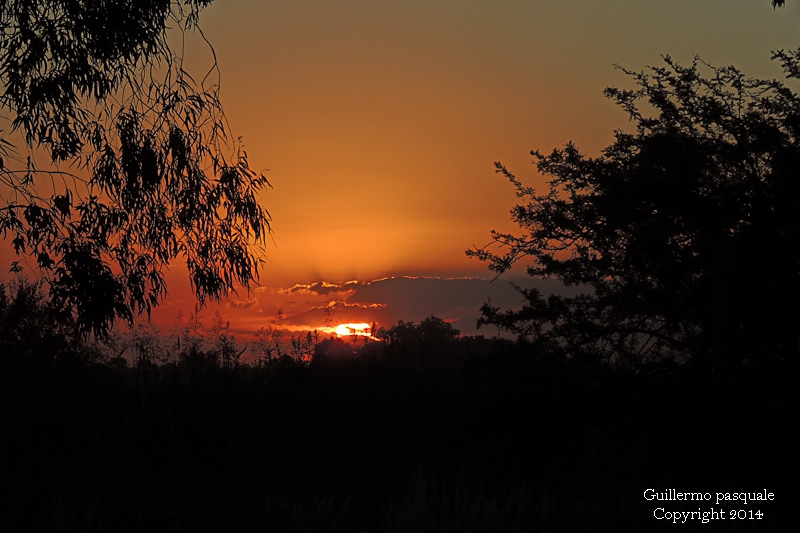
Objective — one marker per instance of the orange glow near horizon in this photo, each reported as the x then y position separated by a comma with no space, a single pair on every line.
360,329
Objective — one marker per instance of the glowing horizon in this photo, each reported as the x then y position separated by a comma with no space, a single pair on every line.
350,329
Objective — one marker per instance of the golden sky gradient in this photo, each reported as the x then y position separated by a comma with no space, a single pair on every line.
379,121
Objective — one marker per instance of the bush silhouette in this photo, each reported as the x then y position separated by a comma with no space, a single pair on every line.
31,328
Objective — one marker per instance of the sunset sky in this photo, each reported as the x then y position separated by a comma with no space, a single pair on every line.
379,122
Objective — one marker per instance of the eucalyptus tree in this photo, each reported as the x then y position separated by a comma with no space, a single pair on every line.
141,169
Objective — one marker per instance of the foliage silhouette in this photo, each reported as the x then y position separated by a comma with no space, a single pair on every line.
30,327
498,442
684,232
421,346
431,332
97,87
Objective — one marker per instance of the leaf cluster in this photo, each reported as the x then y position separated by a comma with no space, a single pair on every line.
96,85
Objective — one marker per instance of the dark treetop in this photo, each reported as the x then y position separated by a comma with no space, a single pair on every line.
684,232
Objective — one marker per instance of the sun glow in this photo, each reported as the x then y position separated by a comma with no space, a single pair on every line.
361,329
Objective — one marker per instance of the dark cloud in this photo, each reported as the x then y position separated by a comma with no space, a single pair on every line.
457,300
323,288
414,298
242,304
343,312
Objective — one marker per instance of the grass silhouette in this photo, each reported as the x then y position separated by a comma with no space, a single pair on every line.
475,435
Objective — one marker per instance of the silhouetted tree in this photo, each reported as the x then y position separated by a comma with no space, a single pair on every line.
30,327
684,232
152,176
430,334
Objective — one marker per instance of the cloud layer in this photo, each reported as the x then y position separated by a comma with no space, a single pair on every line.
385,301
409,298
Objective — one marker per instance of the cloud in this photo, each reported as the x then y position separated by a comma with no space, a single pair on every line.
323,288
242,304
342,312
384,301
412,299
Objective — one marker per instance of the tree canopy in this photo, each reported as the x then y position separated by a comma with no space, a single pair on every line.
142,168
684,232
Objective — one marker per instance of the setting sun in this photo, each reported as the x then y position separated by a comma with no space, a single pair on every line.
361,329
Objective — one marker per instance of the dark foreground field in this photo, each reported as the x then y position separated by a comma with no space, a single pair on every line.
473,436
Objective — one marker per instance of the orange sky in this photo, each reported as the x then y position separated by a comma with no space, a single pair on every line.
379,121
